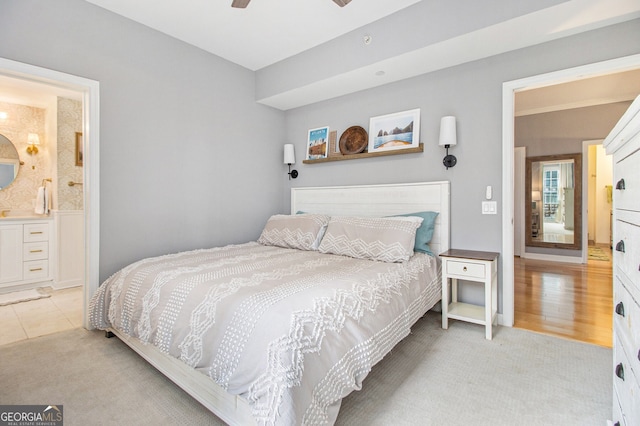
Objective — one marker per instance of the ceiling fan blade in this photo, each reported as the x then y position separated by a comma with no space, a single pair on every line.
241,4
342,3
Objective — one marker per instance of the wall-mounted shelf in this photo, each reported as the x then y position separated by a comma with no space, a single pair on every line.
419,148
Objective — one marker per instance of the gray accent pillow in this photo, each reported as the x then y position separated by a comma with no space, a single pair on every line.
388,239
301,231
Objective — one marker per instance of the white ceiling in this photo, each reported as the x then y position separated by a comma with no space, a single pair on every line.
266,32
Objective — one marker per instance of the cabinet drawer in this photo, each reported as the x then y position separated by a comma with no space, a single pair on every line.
466,269
36,269
627,170
625,384
626,319
626,250
36,251
34,232
618,418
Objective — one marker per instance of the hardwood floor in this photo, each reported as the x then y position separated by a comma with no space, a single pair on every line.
563,299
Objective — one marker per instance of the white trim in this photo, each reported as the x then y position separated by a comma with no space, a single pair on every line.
508,90
585,196
91,171
520,156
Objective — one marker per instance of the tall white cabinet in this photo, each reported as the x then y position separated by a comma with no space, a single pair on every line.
624,144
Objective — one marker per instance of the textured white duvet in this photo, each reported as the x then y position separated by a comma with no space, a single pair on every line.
291,331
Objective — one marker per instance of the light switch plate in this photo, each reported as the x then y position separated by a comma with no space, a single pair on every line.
489,207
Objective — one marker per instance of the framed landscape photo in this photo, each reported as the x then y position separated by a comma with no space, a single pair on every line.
400,130
318,143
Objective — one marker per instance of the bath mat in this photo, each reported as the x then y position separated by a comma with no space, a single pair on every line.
597,253
22,296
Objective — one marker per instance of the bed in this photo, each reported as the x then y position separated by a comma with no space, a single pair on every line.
279,330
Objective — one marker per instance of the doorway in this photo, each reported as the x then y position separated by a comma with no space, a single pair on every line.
509,90
91,124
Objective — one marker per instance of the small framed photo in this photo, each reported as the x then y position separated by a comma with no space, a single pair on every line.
400,130
79,149
318,143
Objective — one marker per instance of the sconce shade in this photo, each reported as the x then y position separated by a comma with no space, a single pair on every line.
448,131
535,196
290,158
33,139
289,154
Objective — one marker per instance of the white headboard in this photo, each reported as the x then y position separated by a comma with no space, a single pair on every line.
380,200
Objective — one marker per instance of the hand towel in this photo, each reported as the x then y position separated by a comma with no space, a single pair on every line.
47,201
41,200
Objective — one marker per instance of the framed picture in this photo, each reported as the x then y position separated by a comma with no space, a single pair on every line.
79,149
318,143
400,130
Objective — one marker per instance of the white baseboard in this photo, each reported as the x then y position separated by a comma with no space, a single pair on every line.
552,258
58,285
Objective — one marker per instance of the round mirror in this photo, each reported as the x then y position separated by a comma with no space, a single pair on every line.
9,162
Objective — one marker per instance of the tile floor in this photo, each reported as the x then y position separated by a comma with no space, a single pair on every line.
26,320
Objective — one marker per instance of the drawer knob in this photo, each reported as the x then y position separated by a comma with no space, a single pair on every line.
620,246
638,355
616,424
620,309
620,371
620,184
35,269
464,269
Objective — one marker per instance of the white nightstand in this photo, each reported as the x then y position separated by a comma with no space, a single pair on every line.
480,266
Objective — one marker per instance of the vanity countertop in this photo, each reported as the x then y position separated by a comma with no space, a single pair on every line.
21,215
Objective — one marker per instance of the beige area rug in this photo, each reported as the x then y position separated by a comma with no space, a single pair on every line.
22,296
433,377
598,253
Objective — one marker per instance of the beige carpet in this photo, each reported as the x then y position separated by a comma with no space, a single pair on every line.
434,377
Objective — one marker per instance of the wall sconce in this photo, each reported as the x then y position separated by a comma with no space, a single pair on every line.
448,138
289,159
33,140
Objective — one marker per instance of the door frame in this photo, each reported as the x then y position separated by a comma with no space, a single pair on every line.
509,89
90,90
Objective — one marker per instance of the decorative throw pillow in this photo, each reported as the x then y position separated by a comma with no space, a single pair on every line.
301,231
388,239
424,234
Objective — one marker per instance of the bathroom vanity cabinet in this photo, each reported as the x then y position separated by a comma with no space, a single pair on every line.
25,247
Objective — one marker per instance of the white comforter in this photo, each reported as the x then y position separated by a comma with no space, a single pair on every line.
291,331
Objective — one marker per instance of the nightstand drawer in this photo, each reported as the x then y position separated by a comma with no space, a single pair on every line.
466,269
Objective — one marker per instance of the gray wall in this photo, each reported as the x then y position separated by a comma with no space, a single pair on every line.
562,132
473,93
187,158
